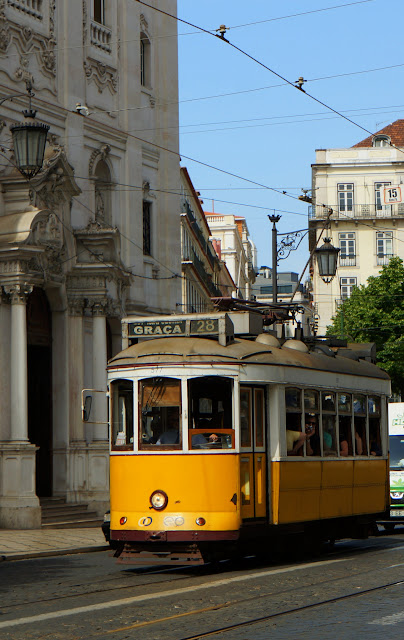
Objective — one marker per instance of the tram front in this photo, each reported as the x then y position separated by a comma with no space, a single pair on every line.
174,470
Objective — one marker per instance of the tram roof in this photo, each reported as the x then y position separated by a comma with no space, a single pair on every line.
191,350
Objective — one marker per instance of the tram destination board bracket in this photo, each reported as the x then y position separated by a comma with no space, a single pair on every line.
218,326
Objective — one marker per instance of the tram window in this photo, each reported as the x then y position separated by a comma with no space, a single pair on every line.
375,442
210,411
374,405
313,446
344,403
293,399
245,417
359,405
122,415
329,435
311,400
345,435
259,417
160,414
328,401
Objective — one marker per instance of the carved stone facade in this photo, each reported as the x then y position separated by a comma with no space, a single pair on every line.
71,253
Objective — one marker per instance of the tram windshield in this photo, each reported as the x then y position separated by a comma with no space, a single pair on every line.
396,444
160,413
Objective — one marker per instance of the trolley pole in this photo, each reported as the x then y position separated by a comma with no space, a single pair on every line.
274,219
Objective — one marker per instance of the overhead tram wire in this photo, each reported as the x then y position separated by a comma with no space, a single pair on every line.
264,66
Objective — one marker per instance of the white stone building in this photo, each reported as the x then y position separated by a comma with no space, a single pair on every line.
93,237
237,250
364,187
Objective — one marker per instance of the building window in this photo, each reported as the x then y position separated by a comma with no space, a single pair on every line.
347,245
379,197
384,247
146,228
381,141
345,198
99,11
145,61
346,286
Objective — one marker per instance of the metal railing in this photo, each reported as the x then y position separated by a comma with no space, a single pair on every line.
358,211
202,273
100,36
347,260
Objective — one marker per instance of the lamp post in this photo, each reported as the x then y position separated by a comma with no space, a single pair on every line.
327,254
29,138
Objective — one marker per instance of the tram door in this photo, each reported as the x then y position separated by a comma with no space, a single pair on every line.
252,452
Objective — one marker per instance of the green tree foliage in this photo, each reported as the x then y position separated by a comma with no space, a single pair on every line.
375,313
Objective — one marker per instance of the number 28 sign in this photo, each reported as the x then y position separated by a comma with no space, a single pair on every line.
392,194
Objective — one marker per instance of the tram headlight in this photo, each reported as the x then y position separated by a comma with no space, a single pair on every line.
158,500
123,520
200,522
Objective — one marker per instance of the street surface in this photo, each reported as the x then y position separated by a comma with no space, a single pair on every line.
353,591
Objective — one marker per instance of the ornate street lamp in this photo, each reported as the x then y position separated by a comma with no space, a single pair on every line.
29,139
327,257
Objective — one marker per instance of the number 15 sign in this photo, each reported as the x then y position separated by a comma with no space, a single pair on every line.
392,194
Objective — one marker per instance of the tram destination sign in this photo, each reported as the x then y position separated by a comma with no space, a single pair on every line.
146,328
218,326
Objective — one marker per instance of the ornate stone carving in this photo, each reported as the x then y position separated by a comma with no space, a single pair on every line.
75,306
18,292
104,76
5,35
96,156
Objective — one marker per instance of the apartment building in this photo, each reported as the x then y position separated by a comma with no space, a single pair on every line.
363,185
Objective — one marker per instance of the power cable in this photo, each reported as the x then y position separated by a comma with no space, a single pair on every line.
295,85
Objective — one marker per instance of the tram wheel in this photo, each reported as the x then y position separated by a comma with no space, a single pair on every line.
389,526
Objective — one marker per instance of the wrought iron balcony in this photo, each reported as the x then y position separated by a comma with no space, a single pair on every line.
357,211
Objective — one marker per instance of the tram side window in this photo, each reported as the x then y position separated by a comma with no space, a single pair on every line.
374,411
345,424
295,438
210,412
359,405
312,422
122,415
329,418
160,414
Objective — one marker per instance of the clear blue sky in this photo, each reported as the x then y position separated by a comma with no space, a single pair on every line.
269,133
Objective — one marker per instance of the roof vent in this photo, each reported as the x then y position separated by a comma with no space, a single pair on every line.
324,349
267,338
295,345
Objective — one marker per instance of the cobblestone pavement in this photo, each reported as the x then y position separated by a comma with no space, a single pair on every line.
32,543
355,591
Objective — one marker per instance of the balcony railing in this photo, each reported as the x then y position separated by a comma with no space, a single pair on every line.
30,7
384,258
101,36
358,211
347,261
202,273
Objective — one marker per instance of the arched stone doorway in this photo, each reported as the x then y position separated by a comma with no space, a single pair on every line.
39,339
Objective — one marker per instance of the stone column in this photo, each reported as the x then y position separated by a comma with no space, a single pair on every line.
100,405
19,506
76,367
19,366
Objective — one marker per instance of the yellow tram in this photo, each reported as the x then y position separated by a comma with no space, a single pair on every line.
223,439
